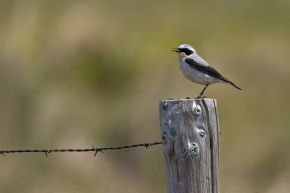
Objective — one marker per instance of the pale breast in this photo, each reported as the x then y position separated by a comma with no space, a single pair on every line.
196,76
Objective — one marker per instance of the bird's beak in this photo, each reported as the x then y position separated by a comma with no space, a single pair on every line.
175,50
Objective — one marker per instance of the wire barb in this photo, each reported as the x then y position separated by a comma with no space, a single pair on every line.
97,150
94,149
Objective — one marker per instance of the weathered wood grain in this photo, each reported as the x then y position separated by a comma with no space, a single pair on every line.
190,135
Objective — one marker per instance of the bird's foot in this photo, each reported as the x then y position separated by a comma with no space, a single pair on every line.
187,98
198,97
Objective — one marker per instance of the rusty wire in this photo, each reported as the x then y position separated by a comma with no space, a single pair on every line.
96,150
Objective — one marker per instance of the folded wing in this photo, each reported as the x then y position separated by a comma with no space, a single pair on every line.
209,70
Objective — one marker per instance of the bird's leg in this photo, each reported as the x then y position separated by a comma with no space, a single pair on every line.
200,95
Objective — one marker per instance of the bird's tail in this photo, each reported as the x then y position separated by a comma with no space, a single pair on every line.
234,85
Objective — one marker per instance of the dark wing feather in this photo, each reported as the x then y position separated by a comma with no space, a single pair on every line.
208,70
205,69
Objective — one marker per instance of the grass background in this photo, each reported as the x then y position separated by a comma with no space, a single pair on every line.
76,73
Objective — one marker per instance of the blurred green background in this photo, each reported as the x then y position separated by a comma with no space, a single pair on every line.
77,73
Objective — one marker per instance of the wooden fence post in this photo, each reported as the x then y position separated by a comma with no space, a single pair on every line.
191,144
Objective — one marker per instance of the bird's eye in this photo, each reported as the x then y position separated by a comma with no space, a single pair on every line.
186,51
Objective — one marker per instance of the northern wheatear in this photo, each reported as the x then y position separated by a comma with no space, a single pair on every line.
197,70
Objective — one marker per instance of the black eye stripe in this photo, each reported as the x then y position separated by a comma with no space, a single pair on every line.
186,51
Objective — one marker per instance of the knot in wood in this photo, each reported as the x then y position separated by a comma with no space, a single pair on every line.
200,130
193,148
164,105
201,133
196,109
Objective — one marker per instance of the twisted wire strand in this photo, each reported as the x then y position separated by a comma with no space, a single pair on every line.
92,149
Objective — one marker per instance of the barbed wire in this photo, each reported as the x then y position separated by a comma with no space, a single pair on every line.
96,150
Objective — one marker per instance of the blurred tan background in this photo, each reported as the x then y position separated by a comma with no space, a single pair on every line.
77,73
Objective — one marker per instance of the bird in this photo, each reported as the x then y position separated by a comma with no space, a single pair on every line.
197,70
